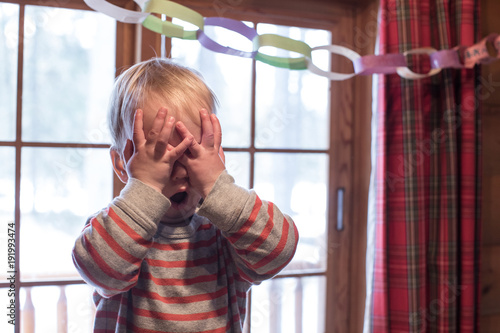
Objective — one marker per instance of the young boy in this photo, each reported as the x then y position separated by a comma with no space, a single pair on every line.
158,260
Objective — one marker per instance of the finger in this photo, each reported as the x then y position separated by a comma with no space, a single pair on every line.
184,160
207,129
157,125
217,130
138,128
194,147
179,150
164,136
221,154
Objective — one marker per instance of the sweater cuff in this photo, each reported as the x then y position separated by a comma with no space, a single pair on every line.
143,203
225,202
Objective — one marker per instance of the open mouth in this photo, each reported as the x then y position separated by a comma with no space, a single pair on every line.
178,197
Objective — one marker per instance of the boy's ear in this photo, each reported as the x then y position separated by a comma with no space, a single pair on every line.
118,165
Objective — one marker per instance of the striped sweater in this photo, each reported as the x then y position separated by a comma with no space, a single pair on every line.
154,277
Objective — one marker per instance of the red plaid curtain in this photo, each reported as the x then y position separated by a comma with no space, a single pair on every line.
424,200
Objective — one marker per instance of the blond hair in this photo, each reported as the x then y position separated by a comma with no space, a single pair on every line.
183,88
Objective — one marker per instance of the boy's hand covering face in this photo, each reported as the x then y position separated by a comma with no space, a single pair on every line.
203,163
153,157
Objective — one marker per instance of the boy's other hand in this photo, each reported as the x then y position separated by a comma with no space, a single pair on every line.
153,157
205,161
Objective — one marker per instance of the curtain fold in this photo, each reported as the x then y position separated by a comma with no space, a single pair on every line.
424,206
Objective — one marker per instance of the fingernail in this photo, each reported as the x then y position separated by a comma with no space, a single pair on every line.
203,111
171,119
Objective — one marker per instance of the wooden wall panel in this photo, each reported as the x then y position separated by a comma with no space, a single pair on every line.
491,176
490,250
490,277
341,174
489,324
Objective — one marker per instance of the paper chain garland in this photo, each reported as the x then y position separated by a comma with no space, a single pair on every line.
458,57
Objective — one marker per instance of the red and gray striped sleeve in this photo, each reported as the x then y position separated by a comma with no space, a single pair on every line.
109,251
263,240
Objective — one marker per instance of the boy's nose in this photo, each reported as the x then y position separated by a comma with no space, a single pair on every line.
179,172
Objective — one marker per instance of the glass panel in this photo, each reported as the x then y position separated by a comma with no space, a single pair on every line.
292,106
39,309
297,184
289,305
9,35
60,188
7,204
230,78
5,299
238,166
81,309
69,68
50,305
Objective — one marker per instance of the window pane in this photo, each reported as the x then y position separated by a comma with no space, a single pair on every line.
5,326
39,309
292,106
7,191
297,184
81,308
60,188
69,66
9,35
230,78
48,306
287,304
238,166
